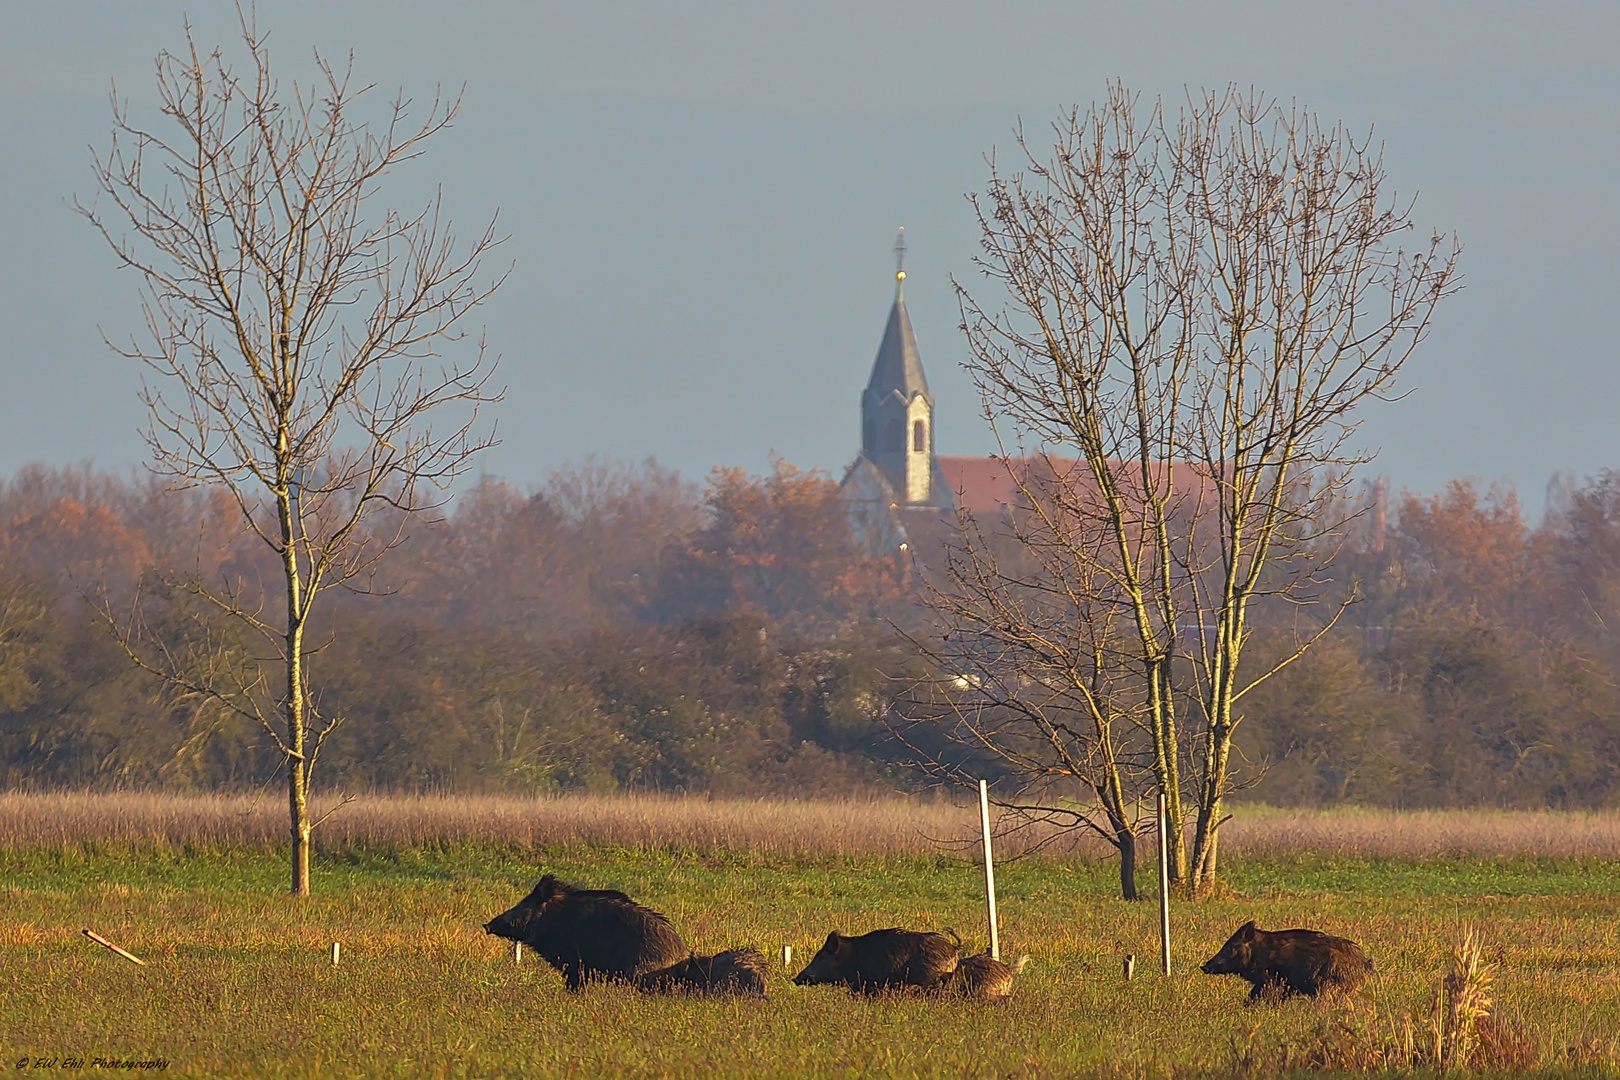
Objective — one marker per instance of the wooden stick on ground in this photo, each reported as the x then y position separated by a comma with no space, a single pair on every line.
99,940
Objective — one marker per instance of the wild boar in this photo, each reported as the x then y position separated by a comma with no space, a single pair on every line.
982,978
590,933
733,973
889,959
1279,963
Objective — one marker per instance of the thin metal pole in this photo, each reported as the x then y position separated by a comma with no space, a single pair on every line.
989,869
1164,889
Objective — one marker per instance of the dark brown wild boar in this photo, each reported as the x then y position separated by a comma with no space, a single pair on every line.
1278,963
590,933
982,978
890,959
733,973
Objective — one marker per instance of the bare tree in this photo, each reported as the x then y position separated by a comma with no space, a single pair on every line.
294,332
1195,306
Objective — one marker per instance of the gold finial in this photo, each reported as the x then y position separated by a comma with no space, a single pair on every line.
900,254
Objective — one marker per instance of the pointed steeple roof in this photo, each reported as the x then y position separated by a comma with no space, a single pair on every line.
898,368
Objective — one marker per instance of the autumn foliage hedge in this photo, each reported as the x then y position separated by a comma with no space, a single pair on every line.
621,630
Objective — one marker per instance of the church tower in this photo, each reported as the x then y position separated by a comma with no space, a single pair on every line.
895,482
897,411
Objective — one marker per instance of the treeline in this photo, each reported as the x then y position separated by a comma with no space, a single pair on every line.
621,629
1480,667
616,630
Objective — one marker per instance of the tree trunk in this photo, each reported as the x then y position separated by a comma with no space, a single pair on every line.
1218,742
297,771
1125,840
297,720
300,833
1210,808
1112,795
1209,850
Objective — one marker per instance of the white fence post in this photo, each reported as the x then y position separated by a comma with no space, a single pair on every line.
99,940
989,870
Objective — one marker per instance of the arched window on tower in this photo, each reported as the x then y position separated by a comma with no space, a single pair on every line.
896,437
869,436
919,437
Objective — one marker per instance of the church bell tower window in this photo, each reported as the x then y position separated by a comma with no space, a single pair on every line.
897,437
919,437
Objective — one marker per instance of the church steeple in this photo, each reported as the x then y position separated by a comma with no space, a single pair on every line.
897,411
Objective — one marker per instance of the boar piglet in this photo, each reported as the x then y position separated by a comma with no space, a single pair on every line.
1278,963
883,960
733,973
590,933
982,978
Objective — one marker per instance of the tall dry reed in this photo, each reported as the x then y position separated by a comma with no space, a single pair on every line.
1259,832
877,826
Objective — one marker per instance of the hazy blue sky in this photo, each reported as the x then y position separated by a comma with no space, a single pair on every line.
701,199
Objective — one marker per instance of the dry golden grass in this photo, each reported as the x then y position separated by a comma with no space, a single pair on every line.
878,826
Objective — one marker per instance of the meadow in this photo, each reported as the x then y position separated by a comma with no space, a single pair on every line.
239,979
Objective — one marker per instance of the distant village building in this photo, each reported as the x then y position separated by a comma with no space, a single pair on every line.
902,496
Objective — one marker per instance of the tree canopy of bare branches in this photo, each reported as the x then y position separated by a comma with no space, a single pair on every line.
1036,684
1190,309
294,335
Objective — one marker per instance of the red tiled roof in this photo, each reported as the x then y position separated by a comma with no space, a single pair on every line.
985,484
980,484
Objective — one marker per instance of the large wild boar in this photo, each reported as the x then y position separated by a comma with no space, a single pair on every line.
1278,963
982,978
590,933
733,973
890,959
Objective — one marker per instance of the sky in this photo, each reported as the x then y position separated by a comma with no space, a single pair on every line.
701,200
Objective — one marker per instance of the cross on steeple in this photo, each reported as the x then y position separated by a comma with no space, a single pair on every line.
900,255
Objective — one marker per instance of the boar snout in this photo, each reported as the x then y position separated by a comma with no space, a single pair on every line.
816,972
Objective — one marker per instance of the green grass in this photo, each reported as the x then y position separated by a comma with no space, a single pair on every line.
239,981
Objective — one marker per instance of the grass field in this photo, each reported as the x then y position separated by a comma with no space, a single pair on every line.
239,980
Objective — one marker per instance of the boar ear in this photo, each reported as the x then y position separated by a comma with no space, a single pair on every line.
833,939
1248,929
